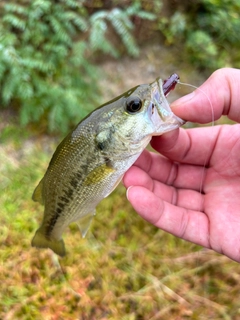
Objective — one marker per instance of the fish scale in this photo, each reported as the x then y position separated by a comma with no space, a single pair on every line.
90,162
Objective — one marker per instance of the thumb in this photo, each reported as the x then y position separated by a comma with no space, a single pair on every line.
215,97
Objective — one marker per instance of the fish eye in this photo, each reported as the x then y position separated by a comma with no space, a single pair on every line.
133,105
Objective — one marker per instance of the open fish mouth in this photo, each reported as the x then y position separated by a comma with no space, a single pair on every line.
163,118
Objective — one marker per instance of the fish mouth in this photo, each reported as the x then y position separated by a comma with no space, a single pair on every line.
164,119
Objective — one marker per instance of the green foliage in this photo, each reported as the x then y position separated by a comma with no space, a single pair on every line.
122,25
46,47
209,30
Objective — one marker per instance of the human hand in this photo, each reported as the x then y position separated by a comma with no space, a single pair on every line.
192,190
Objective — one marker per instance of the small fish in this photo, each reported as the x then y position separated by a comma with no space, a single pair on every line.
90,162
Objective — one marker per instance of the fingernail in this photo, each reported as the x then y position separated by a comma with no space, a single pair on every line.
183,100
128,191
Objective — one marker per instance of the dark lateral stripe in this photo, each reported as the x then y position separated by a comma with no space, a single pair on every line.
74,182
64,199
68,193
54,218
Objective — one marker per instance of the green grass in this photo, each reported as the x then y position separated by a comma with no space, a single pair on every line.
124,269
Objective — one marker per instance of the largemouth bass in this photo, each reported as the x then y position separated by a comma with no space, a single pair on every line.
90,162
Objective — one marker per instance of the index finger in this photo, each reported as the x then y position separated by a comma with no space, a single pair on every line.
192,146
217,96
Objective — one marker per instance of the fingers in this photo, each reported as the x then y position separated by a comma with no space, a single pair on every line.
151,168
187,224
221,91
194,146
185,198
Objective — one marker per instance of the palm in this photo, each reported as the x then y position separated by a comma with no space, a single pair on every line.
192,192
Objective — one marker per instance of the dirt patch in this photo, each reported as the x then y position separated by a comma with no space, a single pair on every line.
154,61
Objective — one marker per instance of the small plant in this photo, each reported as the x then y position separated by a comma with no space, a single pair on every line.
45,57
209,30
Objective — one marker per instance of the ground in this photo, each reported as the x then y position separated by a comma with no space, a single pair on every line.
154,61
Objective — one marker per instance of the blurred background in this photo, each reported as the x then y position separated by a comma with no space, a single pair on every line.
60,59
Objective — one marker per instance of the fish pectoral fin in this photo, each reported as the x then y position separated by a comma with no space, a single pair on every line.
84,223
98,174
41,241
38,193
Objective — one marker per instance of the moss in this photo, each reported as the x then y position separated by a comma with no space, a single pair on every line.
124,268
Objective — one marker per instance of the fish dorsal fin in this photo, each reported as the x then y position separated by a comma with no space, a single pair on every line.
84,223
38,193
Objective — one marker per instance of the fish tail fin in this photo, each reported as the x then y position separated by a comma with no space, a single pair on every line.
41,241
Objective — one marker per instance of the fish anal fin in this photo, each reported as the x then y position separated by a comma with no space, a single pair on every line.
41,241
84,223
38,193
